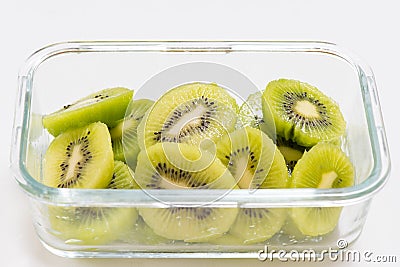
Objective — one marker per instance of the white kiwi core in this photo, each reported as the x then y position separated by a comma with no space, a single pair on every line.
307,109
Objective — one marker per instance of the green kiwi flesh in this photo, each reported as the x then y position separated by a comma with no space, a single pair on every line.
255,162
255,225
324,166
302,113
80,158
253,159
122,177
124,134
193,168
189,113
290,151
107,106
97,225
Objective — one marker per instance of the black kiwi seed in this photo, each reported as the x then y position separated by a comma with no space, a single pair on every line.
254,213
201,124
292,98
64,166
199,213
244,151
173,175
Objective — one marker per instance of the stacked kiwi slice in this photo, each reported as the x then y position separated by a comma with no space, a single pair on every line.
81,157
309,127
255,162
195,136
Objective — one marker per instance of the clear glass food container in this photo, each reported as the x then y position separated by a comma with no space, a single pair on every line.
61,73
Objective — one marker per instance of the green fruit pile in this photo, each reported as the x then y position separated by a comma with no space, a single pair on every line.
196,136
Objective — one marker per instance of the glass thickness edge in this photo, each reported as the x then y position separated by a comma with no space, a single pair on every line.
274,197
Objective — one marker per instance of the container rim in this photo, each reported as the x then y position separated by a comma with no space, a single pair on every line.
234,198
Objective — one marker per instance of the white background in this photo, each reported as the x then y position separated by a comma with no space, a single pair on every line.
369,28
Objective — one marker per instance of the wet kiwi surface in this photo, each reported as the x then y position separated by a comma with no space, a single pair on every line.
80,158
195,170
255,162
324,166
189,113
286,136
97,225
107,106
124,134
302,113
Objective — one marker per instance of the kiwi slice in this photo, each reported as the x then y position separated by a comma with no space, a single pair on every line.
323,166
255,225
291,151
124,134
96,225
107,106
253,159
302,113
189,113
142,234
80,158
184,166
255,162
251,114
122,177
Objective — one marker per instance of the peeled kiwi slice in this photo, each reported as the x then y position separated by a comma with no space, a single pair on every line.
254,225
255,162
253,159
323,166
302,113
124,134
107,106
184,166
80,158
122,177
189,113
96,225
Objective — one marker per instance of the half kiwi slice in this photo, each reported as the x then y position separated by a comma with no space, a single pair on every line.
189,113
255,162
96,225
185,167
80,158
323,166
253,159
107,106
291,151
124,134
302,113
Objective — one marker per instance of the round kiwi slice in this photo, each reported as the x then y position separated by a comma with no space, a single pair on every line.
192,168
107,106
255,162
124,134
80,158
96,225
302,113
189,113
323,166
253,159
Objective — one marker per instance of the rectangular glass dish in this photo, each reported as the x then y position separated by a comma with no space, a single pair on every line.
61,73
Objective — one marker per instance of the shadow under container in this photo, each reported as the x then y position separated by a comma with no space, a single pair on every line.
61,73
